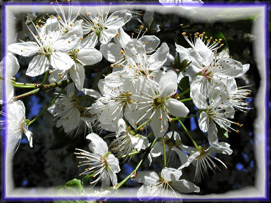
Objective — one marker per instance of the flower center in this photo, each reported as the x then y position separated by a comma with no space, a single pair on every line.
207,73
47,50
158,102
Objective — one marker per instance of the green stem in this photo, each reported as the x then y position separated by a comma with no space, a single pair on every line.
130,154
138,165
175,119
149,135
188,99
164,152
45,77
26,94
184,92
23,85
142,125
40,87
52,102
194,143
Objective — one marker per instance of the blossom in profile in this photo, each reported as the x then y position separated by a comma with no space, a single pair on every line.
101,164
166,184
175,149
204,159
126,140
17,125
12,67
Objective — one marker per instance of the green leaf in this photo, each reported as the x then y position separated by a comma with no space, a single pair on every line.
184,83
86,178
222,132
219,35
74,183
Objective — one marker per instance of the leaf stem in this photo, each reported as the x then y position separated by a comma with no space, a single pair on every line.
184,92
41,87
184,100
164,152
52,102
142,125
191,138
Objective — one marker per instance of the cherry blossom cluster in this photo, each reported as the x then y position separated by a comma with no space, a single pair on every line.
138,102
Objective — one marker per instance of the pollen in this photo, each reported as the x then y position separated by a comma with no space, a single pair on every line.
141,27
160,118
118,34
122,52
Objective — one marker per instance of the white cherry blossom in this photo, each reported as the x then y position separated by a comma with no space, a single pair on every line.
101,163
204,159
126,140
50,48
17,126
155,103
11,68
214,106
100,26
166,184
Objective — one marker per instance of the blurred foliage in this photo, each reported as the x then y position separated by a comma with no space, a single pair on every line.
51,161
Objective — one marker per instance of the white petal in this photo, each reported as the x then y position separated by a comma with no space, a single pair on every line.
182,156
58,75
204,121
220,147
78,75
230,67
190,159
24,48
111,52
111,113
212,133
176,108
168,84
12,65
37,66
71,120
118,19
89,56
184,186
29,136
159,127
151,42
122,39
61,61
92,93
147,177
171,174
113,163
67,42
157,150
97,145
158,59
107,35
245,69
90,41
199,92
